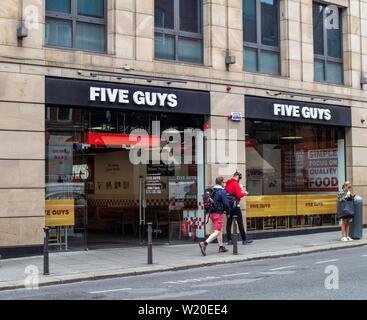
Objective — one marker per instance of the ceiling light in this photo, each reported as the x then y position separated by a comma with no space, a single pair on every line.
291,138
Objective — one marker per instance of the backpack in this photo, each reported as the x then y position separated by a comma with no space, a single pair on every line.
232,199
209,202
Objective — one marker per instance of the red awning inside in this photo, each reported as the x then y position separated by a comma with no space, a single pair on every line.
118,139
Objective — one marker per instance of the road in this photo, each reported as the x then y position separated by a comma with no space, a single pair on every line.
297,277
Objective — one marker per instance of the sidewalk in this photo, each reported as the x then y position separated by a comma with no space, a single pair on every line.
69,267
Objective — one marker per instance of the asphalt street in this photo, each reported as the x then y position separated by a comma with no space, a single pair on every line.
338,274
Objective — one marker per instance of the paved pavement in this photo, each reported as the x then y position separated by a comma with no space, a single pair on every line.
326,275
66,267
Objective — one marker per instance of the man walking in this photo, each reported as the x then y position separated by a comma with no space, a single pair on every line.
233,187
221,205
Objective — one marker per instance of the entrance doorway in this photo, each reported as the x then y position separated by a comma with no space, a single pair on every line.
124,198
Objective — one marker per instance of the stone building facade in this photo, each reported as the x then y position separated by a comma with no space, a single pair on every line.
25,62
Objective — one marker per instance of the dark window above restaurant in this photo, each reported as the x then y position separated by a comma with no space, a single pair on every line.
261,36
76,24
327,35
178,30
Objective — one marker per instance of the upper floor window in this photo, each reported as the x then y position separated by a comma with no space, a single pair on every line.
79,24
178,30
327,40
261,36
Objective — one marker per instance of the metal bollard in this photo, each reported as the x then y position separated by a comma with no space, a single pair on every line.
235,236
46,260
150,243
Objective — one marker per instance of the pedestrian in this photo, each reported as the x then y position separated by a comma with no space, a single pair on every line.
346,209
221,205
234,188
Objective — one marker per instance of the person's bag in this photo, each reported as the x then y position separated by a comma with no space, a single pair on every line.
345,209
209,203
232,200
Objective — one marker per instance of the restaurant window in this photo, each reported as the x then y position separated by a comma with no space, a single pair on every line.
294,172
77,24
64,114
178,30
89,171
327,35
261,36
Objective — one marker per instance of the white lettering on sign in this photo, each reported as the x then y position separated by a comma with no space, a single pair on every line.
294,111
139,98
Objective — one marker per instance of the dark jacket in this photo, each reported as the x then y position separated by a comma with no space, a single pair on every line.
233,187
221,200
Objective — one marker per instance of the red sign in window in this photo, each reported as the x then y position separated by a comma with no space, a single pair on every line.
118,139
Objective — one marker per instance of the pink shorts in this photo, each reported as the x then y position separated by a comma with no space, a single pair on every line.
217,219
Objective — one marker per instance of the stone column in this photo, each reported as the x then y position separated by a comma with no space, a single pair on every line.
225,145
307,41
124,33
290,39
144,25
22,126
363,15
356,152
352,44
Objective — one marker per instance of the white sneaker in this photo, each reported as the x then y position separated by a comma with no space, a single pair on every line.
344,239
349,239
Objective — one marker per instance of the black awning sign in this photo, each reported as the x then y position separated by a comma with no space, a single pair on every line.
111,95
296,111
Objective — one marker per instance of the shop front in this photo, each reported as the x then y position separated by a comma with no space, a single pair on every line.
295,162
120,156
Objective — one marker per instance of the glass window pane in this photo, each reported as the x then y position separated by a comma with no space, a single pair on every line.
270,23
64,114
319,70
164,46
249,21
90,36
334,72
190,50
269,62
58,5
250,59
58,33
334,34
190,15
92,8
164,14
318,29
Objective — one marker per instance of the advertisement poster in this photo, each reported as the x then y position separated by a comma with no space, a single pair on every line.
59,213
290,205
113,174
60,162
322,170
310,171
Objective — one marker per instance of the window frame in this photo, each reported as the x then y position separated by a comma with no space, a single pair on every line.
64,120
258,44
74,17
177,33
325,58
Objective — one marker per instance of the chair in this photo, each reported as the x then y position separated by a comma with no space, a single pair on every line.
161,221
129,217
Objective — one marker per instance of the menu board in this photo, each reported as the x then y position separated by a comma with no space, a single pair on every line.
153,184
